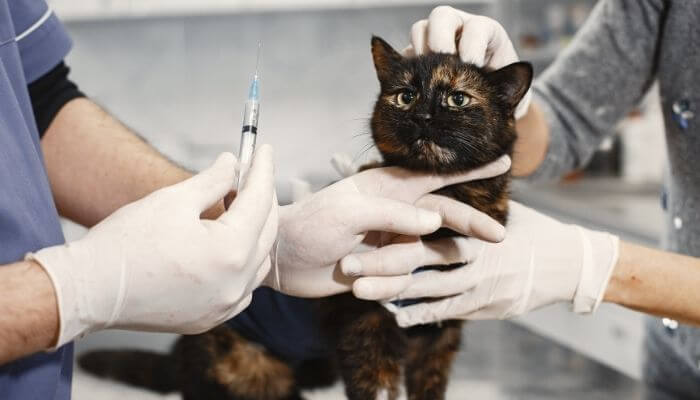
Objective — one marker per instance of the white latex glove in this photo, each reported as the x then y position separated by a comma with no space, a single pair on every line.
316,233
478,40
541,261
154,265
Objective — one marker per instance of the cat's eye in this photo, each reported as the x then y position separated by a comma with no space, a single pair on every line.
458,99
405,98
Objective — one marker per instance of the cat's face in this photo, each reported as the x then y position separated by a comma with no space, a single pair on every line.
436,113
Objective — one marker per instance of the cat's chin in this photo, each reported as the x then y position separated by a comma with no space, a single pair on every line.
431,163
429,156
420,163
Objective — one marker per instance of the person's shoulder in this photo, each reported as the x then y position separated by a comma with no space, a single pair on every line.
42,39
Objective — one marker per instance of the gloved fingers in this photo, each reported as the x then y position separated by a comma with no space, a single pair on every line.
380,288
409,186
383,214
408,253
211,185
429,283
453,250
375,239
463,218
500,51
480,35
395,259
408,51
426,283
444,26
439,283
485,42
429,312
419,33
310,283
490,170
252,206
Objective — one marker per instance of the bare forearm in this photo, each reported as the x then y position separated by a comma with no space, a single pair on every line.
656,282
96,165
28,311
531,144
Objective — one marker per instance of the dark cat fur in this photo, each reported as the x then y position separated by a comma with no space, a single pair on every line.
371,350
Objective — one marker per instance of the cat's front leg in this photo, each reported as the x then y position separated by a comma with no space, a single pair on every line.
370,350
431,352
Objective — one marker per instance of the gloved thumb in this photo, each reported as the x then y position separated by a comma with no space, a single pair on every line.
211,185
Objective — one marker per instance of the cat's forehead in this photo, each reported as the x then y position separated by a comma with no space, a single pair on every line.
441,71
455,77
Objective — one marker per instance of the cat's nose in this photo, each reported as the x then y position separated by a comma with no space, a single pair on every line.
425,117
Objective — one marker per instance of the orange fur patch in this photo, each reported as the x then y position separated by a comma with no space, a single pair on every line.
248,370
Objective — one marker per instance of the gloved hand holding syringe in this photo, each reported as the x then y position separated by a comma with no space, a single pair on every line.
249,132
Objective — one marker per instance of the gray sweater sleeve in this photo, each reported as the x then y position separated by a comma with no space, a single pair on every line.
597,79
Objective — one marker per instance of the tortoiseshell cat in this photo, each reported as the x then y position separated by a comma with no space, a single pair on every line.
434,114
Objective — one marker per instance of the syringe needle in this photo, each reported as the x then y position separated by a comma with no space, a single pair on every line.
257,58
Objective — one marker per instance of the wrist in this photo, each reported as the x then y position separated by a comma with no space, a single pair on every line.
623,281
532,143
47,293
28,311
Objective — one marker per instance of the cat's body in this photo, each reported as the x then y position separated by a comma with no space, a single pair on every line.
434,114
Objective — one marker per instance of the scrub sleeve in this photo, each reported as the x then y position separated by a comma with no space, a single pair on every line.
32,42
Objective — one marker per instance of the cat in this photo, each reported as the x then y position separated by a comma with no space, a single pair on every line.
439,115
433,114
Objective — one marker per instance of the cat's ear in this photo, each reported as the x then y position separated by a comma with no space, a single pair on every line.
512,82
385,58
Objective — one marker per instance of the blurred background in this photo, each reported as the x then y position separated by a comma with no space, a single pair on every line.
176,72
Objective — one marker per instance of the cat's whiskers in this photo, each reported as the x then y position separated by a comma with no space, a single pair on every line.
364,150
361,134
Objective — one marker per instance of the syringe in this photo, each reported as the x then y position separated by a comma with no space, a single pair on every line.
249,132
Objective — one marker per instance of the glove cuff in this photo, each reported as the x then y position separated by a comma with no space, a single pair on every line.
64,285
600,253
273,280
75,308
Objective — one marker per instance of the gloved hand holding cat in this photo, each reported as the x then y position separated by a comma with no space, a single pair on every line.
316,233
541,261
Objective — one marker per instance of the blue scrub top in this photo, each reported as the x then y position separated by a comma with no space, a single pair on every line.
32,42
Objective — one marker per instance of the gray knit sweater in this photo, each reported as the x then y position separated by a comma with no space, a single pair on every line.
624,46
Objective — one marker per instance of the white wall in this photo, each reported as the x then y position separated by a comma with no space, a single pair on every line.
89,9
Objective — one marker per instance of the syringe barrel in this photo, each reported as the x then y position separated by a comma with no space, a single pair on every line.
249,133
250,116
